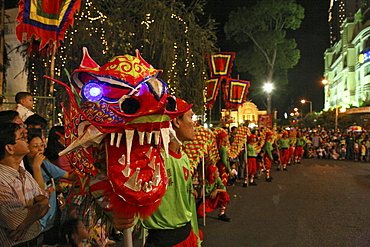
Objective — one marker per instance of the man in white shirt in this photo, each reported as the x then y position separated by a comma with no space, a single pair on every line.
22,202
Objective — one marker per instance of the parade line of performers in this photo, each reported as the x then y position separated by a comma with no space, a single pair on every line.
223,155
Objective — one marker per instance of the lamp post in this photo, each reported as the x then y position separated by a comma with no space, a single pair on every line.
326,82
268,87
304,101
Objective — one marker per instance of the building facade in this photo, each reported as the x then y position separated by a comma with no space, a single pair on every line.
339,10
247,112
347,64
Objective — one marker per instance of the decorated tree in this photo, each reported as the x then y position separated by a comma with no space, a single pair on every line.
168,34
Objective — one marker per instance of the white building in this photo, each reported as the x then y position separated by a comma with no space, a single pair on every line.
247,112
347,64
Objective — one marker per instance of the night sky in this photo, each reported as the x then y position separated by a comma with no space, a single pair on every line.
312,39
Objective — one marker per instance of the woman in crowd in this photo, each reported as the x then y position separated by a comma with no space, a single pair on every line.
45,173
56,143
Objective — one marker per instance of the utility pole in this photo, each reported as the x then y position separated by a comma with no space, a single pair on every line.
269,103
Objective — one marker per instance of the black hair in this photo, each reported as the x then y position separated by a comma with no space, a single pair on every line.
54,146
34,132
7,136
67,230
8,116
21,95
36,119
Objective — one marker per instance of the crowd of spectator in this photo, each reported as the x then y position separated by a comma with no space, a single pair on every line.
337,145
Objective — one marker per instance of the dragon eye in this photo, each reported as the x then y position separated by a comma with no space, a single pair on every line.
171,104
130,106
92,91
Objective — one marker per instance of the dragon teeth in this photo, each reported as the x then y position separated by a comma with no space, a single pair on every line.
141,137
152,163
129,138
133,183
119,137
112,136
156,136
156,176
148,154
148,137
122,160
165,133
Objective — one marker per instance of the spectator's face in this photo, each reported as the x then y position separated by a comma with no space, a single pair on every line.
27,102
36,146
21,146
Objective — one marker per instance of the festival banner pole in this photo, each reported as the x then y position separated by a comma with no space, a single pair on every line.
127,238
143,234
246,163
203,192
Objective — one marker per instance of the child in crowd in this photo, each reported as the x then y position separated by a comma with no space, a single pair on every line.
233,174
73,233
363,151
312,153
334,154
24,102
216,195
321,153
356,150
343,152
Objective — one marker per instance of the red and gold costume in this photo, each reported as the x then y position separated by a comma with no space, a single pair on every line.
223,164
268,158
220,200
284,150
300,143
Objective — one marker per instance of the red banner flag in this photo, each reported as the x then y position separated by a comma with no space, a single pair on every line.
213,85
236,92
45,19
265,121
220,64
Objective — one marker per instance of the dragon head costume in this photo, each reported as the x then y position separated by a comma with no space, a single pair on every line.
124,108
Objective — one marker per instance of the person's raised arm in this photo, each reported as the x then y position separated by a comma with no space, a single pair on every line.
36,169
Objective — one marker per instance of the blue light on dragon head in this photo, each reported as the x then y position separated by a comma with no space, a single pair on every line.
92,91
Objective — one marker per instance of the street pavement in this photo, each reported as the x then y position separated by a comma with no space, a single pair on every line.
317,203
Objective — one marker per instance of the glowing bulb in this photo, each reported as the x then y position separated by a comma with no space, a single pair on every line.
92,91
